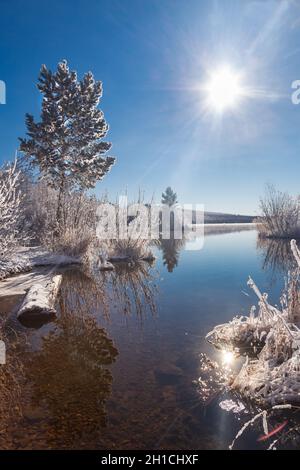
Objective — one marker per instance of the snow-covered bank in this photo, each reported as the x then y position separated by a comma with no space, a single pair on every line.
14,266
19,284
272,376
27,258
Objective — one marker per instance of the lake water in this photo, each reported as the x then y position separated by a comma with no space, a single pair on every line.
126,364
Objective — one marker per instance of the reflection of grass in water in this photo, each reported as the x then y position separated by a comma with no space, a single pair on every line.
81,293
131,286
277,256
134,287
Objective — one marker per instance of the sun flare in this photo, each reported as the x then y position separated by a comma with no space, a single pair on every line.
224,89
227,358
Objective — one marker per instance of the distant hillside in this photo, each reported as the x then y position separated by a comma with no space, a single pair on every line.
220,218
214,217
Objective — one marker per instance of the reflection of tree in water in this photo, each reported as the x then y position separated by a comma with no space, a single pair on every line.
66,380
277,255
170,251
11,380
69,373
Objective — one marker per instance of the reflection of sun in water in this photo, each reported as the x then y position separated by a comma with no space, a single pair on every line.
227,358
223,89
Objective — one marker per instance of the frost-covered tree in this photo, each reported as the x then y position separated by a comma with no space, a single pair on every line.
169,197
10,210
66,145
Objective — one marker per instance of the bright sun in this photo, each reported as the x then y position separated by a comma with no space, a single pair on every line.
224,89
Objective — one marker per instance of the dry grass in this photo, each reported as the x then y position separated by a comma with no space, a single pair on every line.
134,249
77,230
280,216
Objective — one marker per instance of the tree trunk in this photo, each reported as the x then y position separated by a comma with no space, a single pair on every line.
40,299
59,211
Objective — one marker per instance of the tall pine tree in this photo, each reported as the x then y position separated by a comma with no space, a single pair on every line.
169,197
66,145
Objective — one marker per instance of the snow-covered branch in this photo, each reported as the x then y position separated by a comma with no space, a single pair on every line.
10,209
296,252
271,376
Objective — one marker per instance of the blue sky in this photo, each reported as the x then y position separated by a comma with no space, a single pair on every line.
153,56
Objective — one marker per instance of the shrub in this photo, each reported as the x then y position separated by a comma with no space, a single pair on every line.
280,215
11,213
78,223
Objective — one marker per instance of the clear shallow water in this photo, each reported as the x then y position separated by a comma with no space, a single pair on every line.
120,367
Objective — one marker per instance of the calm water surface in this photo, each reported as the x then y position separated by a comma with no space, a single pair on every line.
126,365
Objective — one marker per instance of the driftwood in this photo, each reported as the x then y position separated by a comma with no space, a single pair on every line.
296,252
40,299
